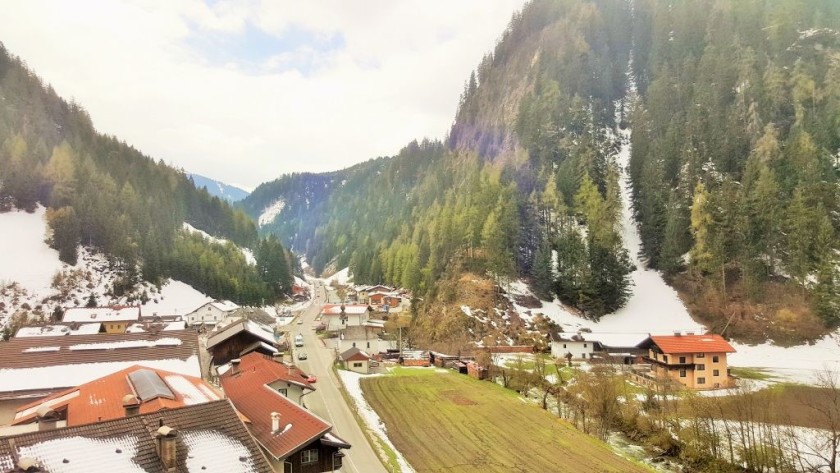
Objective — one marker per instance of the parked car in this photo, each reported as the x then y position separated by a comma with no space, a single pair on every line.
302,355
299,321
312,378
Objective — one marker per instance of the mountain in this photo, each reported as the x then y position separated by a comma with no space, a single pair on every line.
105,194
732,116
218,189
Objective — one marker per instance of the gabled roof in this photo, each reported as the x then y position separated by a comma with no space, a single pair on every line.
210,438
223,306
248,389
359,332
57,363
101,314
711,343
350,309
253,328
101,399
252,313
354,354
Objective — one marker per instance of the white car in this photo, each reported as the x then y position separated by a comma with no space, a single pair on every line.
302,355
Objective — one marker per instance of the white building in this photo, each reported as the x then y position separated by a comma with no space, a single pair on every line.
353,315
574,343
210,313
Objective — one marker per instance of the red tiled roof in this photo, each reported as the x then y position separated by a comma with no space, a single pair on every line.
101,399
251,396
710,343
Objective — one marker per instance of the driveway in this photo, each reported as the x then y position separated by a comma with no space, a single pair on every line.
327,401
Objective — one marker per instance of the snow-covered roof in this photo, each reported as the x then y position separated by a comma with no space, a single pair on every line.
350,309
58,330
254,328
101,314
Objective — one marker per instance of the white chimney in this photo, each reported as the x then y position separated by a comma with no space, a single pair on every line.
275,422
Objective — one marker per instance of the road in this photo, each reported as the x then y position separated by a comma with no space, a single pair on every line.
327,401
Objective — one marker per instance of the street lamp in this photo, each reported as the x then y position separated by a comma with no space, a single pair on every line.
337,455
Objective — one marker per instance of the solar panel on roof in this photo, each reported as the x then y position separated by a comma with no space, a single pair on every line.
148,385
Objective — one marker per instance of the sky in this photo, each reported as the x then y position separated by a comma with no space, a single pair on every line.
244,91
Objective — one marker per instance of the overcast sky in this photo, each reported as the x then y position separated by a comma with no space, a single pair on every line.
244,91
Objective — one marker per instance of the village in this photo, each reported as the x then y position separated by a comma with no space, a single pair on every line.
230,388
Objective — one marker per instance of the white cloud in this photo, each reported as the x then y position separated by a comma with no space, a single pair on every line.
390,72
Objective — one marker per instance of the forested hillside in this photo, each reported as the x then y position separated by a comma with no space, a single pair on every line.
734,167
735,161
103,193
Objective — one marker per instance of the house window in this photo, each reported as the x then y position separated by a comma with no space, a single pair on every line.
583,355
584,345
564,345
701,367
309,456
283,391
682,373
368,344
701,380
357,365
715,359
715,372
682,360
665,358
337,459
354,344
700,355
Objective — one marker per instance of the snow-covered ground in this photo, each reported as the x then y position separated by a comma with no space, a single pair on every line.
34,267
271,212
342,277
354,389
249,255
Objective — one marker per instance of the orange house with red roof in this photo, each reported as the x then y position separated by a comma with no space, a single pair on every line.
694,361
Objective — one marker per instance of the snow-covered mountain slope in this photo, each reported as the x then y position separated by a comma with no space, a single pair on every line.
249,255
34,279
219,189
271,212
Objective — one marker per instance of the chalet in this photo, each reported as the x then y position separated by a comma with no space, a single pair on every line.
563,344
693,361
284,378
338,316
253,314
356,360
195,439
367,337
294,439
33,367
363,293
238,339
113,319
210,313
127,392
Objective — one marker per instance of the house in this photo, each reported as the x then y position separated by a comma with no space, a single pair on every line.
238,339
367,337
363,293
33,367
294,439
338,316
136,389
198,438
210,313
114,319
563,344
356,360
286,379
253,314
693,361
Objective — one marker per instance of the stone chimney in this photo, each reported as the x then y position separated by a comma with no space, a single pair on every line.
275,422
165,439
46,418
131,405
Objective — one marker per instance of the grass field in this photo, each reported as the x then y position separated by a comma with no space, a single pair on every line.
452,423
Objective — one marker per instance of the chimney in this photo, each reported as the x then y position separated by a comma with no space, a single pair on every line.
234,366
165,442
131,405
46,418
275,422
678,334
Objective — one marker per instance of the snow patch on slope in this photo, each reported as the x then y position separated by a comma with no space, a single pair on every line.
26,258
249,255
271,212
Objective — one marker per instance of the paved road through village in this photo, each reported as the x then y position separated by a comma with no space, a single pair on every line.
327,401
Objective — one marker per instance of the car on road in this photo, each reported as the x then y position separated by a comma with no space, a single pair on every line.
311,379
302,355
300,321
